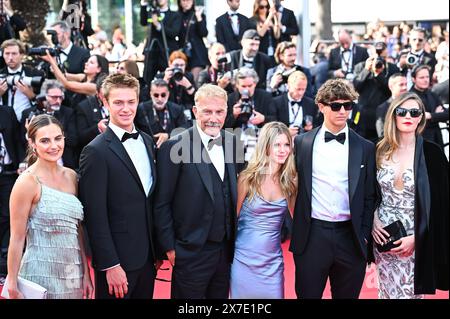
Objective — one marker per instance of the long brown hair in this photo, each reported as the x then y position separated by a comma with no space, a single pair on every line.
37,123
390,142
253,175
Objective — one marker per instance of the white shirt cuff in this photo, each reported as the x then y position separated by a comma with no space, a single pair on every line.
111,267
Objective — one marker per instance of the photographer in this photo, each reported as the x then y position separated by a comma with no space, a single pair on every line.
217,73
72,57
164,30
343,59
249,105
83,26
181,83
19,84
50,102
417,55
277,77
294,109
371,82
191,36
92,116
250,57
159,117
288,22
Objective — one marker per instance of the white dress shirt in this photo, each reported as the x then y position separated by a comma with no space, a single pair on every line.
63,57
215,154
138,153
347,59
234,21
21,101
295,113
4,152
330,194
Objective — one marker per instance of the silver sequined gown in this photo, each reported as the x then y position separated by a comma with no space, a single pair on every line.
52,256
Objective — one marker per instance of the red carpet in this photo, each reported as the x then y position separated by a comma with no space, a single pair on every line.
369,291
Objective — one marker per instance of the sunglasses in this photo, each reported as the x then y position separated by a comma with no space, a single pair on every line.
336,106
157,95
418,40
400,111
264,7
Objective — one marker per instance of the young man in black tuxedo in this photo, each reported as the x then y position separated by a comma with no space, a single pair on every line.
231,26
334,211
118,176
195,207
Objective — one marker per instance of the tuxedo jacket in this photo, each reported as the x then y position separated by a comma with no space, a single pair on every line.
261,64
262,103
362,189
117,209
66,116
225,34
289,20
88,114
184,203
335,61
282,106
146,121
76,59
9,127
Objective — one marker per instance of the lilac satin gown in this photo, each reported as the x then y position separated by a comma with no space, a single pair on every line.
257,271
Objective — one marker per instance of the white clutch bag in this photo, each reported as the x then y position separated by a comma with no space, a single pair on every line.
29,289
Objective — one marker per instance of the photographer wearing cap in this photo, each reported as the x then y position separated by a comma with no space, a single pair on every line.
250,57
19,84
371,82
277,77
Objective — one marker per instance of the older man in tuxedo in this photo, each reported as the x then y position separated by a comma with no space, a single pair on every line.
195,210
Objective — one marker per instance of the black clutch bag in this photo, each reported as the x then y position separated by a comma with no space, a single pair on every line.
396,231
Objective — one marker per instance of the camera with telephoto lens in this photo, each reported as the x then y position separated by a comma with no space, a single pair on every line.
285,75
41,51
31,81
379,48
154,7
223,63
40,106
177,74
412,60
246,106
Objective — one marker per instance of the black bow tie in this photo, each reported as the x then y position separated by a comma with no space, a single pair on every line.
214,141
340,137
127,135
233,14
295,102
15,73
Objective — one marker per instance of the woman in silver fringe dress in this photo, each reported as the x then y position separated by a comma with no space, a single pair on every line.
46,213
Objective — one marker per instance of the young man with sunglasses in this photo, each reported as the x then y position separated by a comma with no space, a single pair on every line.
334,211
159,117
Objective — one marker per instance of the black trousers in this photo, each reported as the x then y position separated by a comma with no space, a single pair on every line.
6,185
203,276
332,252
141,283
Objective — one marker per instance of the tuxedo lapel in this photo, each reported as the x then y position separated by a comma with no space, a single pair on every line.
116,146
229,149
151,158
285,110
306,158
202,167
354,163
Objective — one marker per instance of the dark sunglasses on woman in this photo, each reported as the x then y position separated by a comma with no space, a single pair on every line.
400,111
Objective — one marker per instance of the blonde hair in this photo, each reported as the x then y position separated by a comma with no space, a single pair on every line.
114,81
210,91
253,175
296,76
390,142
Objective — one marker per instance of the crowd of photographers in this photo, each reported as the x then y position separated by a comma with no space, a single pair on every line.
254,60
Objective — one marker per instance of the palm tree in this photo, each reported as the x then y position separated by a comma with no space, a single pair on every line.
34,13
